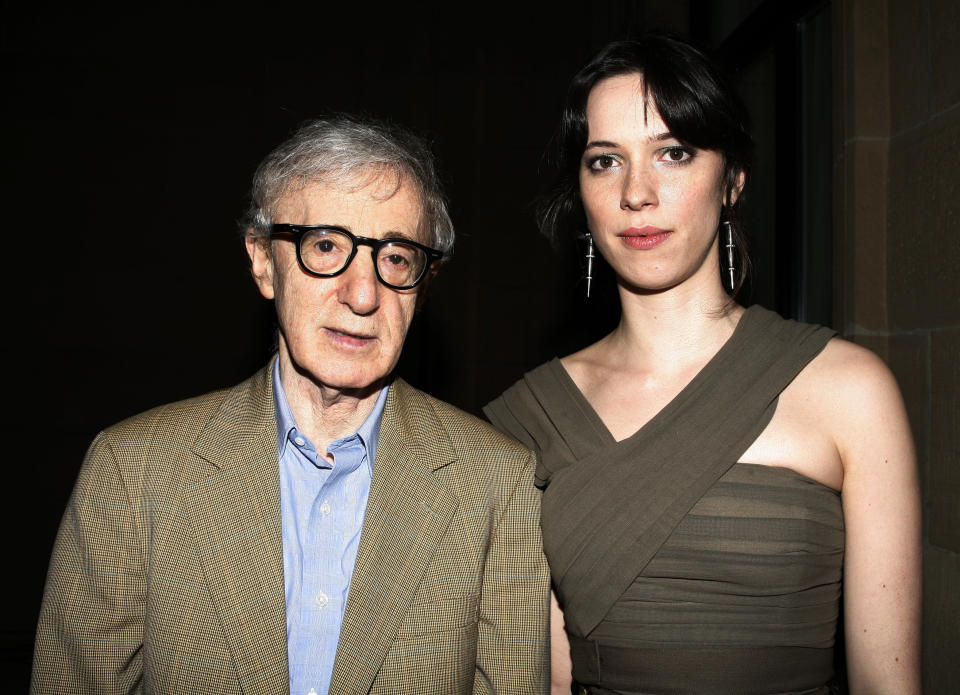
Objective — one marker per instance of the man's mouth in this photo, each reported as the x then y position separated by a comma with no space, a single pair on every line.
349,338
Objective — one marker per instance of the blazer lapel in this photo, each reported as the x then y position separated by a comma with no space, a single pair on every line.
235,511
408,512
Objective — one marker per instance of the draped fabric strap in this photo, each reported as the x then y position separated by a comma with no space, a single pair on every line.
609,506
706,671
542,413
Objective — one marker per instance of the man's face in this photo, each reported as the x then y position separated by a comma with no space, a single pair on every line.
343,333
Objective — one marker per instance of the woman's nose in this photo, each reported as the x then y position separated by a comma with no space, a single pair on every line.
639,189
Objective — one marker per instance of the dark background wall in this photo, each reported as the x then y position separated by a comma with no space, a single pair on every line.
896,155
129,138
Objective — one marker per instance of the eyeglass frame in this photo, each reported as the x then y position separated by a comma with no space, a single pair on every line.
297,232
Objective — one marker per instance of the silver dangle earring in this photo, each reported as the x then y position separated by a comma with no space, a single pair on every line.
730,248
589,237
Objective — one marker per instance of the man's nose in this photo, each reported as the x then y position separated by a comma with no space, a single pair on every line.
359,288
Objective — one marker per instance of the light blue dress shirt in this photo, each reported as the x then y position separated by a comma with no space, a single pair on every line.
322,508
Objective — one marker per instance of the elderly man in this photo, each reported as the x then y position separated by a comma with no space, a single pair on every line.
323,526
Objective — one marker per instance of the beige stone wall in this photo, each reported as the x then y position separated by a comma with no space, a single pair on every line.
898,223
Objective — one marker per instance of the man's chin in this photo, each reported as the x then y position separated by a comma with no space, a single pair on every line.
359,388
354,385
349,380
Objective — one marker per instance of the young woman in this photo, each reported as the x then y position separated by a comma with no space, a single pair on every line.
712,475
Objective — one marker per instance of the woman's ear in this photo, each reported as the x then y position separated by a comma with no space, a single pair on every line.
735,185
261,263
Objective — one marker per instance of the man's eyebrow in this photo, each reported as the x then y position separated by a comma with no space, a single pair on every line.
390,233
394,234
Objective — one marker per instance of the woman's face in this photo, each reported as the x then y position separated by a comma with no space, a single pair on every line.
652,203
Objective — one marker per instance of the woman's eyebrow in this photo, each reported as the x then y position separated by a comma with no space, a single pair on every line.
659,137
600,143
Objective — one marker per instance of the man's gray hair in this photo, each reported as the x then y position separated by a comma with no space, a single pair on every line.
339,150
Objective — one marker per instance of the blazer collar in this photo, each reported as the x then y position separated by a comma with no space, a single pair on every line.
410,425
245,424
235,513
408,512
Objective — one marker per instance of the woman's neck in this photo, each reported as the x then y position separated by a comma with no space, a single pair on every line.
674,328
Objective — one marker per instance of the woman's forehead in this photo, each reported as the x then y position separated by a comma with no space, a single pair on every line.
618,104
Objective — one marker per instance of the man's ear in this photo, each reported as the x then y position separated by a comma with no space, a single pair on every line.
261,263
422,289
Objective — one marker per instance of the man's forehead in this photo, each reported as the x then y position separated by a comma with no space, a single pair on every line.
378,197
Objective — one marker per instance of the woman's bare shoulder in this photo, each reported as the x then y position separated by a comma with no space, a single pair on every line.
851,373
856,393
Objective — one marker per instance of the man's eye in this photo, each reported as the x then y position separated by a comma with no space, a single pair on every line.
397,259
324,246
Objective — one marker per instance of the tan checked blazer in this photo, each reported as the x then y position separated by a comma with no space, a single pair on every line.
167,573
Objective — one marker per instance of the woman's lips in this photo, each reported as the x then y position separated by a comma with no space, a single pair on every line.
644,238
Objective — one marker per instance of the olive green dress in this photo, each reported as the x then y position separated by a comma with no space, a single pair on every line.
679,570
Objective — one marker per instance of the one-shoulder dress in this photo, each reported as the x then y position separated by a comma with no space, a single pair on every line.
678,569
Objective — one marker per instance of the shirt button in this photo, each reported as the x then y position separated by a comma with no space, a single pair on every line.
325,508
300,441
322,599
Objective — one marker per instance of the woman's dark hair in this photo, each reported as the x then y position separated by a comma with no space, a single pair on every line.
695,101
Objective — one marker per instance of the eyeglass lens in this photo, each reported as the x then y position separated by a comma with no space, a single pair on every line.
327,251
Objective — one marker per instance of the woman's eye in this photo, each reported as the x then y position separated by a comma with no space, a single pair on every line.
677,154
603,161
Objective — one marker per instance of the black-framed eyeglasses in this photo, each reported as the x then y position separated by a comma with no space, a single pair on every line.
325,252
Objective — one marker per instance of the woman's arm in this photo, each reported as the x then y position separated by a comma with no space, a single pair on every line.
882,517
561,666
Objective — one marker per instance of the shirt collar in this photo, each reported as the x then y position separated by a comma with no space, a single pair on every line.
368,432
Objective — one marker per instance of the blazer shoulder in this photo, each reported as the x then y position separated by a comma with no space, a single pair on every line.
161,450
196,410
182,422
468,433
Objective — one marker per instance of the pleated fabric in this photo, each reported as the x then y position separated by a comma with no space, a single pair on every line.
680,570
